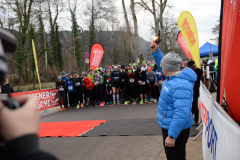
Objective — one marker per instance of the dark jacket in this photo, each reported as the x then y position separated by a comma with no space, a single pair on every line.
24,148
124,78
6,89
77,83
60,86
116,76
141,77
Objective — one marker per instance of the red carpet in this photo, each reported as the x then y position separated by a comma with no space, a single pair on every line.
67,129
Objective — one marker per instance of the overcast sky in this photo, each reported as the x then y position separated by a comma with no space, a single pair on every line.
205,12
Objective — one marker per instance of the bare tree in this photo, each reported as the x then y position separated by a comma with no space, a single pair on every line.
215,31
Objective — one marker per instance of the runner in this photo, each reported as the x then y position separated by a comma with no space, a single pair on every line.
71,92
99,88
65,79
124,80
115,76
60,86
108,89
141,79
152,81
88,90
77,82
131,86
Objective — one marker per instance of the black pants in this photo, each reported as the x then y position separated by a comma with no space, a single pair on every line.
85,91
142,89
78,91
125,93
178,152
72,99
61,95
134,91
195,108
99,96
66,98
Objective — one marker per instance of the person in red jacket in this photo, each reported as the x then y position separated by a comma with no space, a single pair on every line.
89,89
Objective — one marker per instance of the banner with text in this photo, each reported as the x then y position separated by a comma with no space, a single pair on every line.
188,27
48,98
181,41
97,52
220,137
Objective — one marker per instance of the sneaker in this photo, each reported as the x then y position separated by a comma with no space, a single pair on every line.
151,99
61,109
107,104
111,103
82,105
126,103
114,103
132,99
141,102
155,101
77,106
146,101
96,104
87,104
65,109
134,102
129,102
118,102
102,104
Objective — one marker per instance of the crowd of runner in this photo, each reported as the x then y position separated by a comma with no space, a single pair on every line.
112,85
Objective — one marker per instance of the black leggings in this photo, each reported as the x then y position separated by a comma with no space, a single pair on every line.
125,93
195,108
152,89
142,89
99,96
61,95
79,95
72,98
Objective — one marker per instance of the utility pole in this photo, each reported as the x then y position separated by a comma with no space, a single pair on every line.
74,49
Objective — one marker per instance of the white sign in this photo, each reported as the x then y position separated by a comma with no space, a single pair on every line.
86,60
220,138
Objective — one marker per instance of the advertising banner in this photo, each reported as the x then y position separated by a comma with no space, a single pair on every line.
181,41
48,98
230,56
220,137
97,52
35,58
188,27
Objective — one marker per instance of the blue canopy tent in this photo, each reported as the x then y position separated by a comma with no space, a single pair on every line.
206,49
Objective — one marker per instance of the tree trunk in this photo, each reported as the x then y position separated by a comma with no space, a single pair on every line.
155,18
136,30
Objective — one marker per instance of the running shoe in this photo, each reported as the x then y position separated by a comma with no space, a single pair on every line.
65,109
134,102
141,102
77,106
132,99
111,103
82,105
107,104
129,102
102,104
126,103
146,101
114,103
119,102
61,109
155,101
96,104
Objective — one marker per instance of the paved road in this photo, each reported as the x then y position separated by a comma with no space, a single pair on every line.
109,147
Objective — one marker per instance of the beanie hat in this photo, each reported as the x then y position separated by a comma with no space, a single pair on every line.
96,74
152,65
106,67
171,62
74,72
110,67
123,66
129,70
149,68
63,73
138,69
143,61
59,77
190,63
85,75
115,67
134,64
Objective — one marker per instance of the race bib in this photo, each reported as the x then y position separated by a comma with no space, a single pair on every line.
131,80
61,89
116,78
97,81
78,84
70,87
143,82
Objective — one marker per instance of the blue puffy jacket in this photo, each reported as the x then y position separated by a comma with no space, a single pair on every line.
175,101
65,79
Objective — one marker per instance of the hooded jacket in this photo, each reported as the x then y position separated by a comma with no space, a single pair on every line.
65,79
175,102
6,89
88,83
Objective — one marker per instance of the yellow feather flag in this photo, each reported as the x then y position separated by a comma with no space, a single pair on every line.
35,58
188,27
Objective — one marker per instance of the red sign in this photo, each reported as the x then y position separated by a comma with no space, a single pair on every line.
97,52
48,98
203,113
183,45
